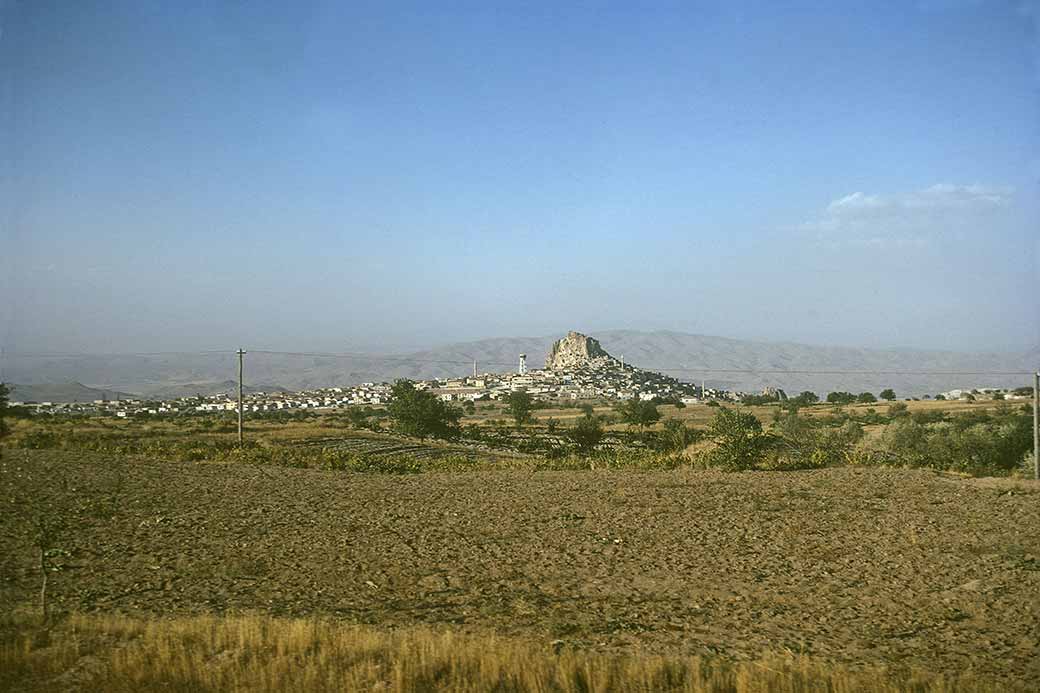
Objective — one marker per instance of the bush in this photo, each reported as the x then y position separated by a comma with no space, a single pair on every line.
677,435
740,442
973,443
804,444
587,433
897,409
928,416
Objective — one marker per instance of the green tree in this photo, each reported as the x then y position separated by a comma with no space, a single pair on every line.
805,399
520,404
587,433
888,394
637,412
841,398
420,413
740,442
866,398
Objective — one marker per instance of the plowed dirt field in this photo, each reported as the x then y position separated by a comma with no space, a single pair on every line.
855,565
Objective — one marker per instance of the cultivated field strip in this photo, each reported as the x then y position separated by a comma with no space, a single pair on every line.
376,448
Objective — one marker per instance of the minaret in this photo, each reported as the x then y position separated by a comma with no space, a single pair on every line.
523,364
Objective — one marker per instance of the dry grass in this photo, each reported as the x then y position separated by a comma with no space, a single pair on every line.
259,653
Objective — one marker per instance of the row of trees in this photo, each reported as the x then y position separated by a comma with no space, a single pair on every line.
807,398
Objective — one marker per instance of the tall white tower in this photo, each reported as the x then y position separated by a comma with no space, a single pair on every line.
523,364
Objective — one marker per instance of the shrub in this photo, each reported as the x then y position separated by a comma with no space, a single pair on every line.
677,435
587,433
740,442
804,444
897,409
928,416
972,443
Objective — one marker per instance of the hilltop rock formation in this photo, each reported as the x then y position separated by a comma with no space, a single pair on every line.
576,351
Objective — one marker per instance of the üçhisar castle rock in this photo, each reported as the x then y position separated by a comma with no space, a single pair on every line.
577,351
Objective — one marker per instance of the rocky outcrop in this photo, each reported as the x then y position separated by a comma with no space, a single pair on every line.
576,351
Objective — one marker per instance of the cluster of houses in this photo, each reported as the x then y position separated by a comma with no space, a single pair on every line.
585,383
998,393
326,398
590,382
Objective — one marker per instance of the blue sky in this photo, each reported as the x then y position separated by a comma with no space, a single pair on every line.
377,175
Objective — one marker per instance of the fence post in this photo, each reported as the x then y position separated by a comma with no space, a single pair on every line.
1036,425
240,355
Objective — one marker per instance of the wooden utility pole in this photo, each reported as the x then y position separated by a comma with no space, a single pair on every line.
1036,425
240,355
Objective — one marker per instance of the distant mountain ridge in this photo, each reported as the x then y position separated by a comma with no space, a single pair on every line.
63,392
727,363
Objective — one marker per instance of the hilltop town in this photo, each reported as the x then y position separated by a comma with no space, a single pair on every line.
576,368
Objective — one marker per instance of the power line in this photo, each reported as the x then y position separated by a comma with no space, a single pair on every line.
71,355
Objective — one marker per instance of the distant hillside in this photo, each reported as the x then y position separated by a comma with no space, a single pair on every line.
227,387
62,392
673,353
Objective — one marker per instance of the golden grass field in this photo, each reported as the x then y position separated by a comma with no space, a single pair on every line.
261,654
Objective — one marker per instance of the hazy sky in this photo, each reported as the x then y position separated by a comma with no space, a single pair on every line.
182,175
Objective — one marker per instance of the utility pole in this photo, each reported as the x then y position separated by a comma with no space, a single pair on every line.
240,355
1036,425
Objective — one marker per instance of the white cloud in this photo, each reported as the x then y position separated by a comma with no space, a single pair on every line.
909,219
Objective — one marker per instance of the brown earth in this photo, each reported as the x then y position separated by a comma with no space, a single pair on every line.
907,568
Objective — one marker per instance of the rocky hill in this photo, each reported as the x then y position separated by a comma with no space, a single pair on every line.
575,351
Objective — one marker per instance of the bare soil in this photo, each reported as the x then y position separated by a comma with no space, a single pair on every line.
873,566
